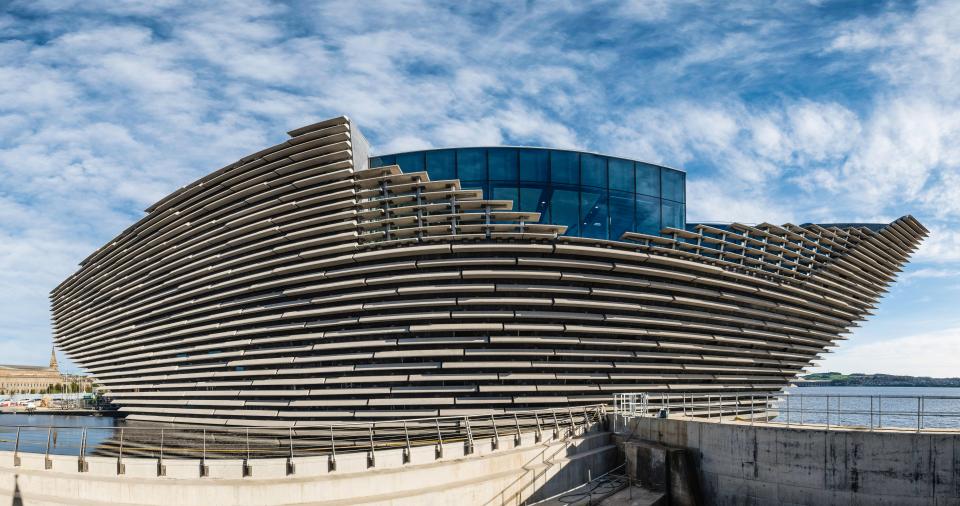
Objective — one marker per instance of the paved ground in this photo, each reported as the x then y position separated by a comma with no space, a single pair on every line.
635,496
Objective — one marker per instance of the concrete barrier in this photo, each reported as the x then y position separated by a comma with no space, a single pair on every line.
510,474
762,464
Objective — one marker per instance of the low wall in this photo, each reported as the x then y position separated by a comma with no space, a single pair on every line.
511,474
762,464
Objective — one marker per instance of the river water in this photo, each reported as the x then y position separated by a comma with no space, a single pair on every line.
850,406
873,406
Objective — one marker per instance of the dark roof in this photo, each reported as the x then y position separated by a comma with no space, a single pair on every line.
22,367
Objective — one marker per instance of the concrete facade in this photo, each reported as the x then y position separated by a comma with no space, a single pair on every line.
518,471
298,286
741,464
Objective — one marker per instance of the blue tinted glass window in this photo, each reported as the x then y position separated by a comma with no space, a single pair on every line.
672,214
593,214
593,170
564,210
380,161
648,179
621,212
502,164
648,215
673,187
510,191
472,163
621,175
534,165
535,199
482,184
411,162
564,167
441,164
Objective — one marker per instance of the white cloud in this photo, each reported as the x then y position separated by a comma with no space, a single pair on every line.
931,273
927,354
106,106
942,246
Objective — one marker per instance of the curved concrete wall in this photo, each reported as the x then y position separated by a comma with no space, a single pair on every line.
743,464
298,285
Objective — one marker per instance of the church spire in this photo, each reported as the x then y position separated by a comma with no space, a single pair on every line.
53,359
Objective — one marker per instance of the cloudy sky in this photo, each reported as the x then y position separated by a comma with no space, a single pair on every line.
779,111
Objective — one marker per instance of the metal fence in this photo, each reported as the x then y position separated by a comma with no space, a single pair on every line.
870,412
246,443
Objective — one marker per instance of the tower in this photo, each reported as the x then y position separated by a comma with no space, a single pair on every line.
53,359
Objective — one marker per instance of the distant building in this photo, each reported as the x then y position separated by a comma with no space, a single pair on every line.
27,378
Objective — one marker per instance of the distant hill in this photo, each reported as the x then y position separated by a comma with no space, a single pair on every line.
835,379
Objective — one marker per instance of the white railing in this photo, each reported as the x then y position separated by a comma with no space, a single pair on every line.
869,412
205,443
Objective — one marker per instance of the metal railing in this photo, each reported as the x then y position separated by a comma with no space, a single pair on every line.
203,443
870,412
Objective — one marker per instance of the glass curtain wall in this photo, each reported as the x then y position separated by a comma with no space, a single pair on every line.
593,195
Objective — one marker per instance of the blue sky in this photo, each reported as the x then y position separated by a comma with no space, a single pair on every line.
780,111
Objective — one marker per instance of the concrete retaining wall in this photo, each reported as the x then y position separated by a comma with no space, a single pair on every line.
742,464
509,475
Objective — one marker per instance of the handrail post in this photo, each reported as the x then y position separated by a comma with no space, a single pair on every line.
616,411
801,409
752,410
721,408
538,436
828,412
372,459
469,442
556,426
81,462
161,469
787,398
203,458
871,413
439,439
332,462
291,467
496,433
409,451
121,469
247,470
879,411
573,423
518,439
919,412
16,450
47,464
586,420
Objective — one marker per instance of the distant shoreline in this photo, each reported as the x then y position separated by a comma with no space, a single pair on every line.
834,379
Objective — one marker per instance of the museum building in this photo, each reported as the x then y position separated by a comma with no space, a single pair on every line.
311,282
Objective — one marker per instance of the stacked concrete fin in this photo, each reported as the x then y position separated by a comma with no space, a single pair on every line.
297,286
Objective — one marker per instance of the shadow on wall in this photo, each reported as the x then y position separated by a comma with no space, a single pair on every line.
557,470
